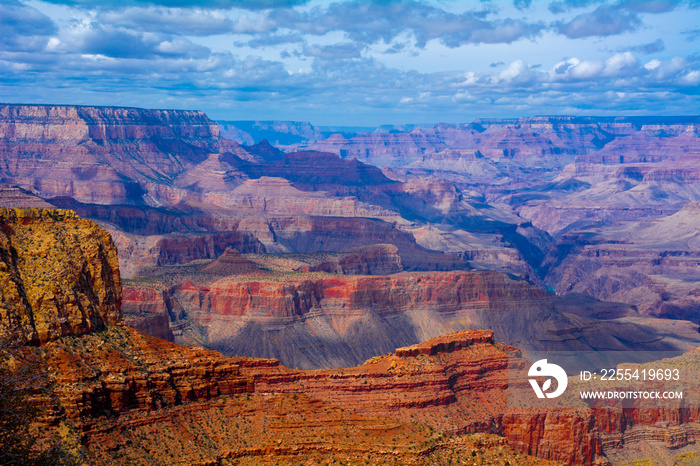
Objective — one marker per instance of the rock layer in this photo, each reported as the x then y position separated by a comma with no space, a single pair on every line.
100,154
318,320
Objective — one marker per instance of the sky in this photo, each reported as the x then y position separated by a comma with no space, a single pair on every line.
356,62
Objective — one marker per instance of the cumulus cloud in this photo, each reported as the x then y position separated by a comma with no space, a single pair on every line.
180,21
603,21
517,73
620,65
373,22
92,38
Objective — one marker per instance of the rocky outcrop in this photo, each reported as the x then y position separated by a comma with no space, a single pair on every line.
129,398
455,383
15,197
447,344
134,398
379,259
181,250
120,370
231,262
151,317
60,275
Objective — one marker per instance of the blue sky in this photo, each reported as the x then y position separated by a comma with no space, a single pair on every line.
356,62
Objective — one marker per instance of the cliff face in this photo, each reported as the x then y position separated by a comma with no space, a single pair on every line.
60,274
454,383
133,399
100,154
137,399
119,370
317,320
652,265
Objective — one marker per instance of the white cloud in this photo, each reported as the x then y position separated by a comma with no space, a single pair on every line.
586,69
690,79
620,63
652,65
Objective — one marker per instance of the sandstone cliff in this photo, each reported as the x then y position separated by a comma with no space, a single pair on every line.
455,383
130,399
60,274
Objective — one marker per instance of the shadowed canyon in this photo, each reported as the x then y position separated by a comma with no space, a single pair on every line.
201,296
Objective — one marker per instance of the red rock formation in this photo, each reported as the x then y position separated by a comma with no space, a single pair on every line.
181,250
121,370
312,321
380,259
151,317
133,398
454,383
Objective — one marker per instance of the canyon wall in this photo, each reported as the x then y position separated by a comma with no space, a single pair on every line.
317,320
106,155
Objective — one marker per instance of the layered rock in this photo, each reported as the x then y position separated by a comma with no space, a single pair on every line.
107,155
380,259
133,398
120,370
314,320
650,265
277,132
455,383
15,197
60,274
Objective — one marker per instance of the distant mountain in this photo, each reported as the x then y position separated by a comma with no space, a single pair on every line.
277,133
295,133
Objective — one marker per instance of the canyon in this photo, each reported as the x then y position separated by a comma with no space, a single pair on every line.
123,397
542,198
330,247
